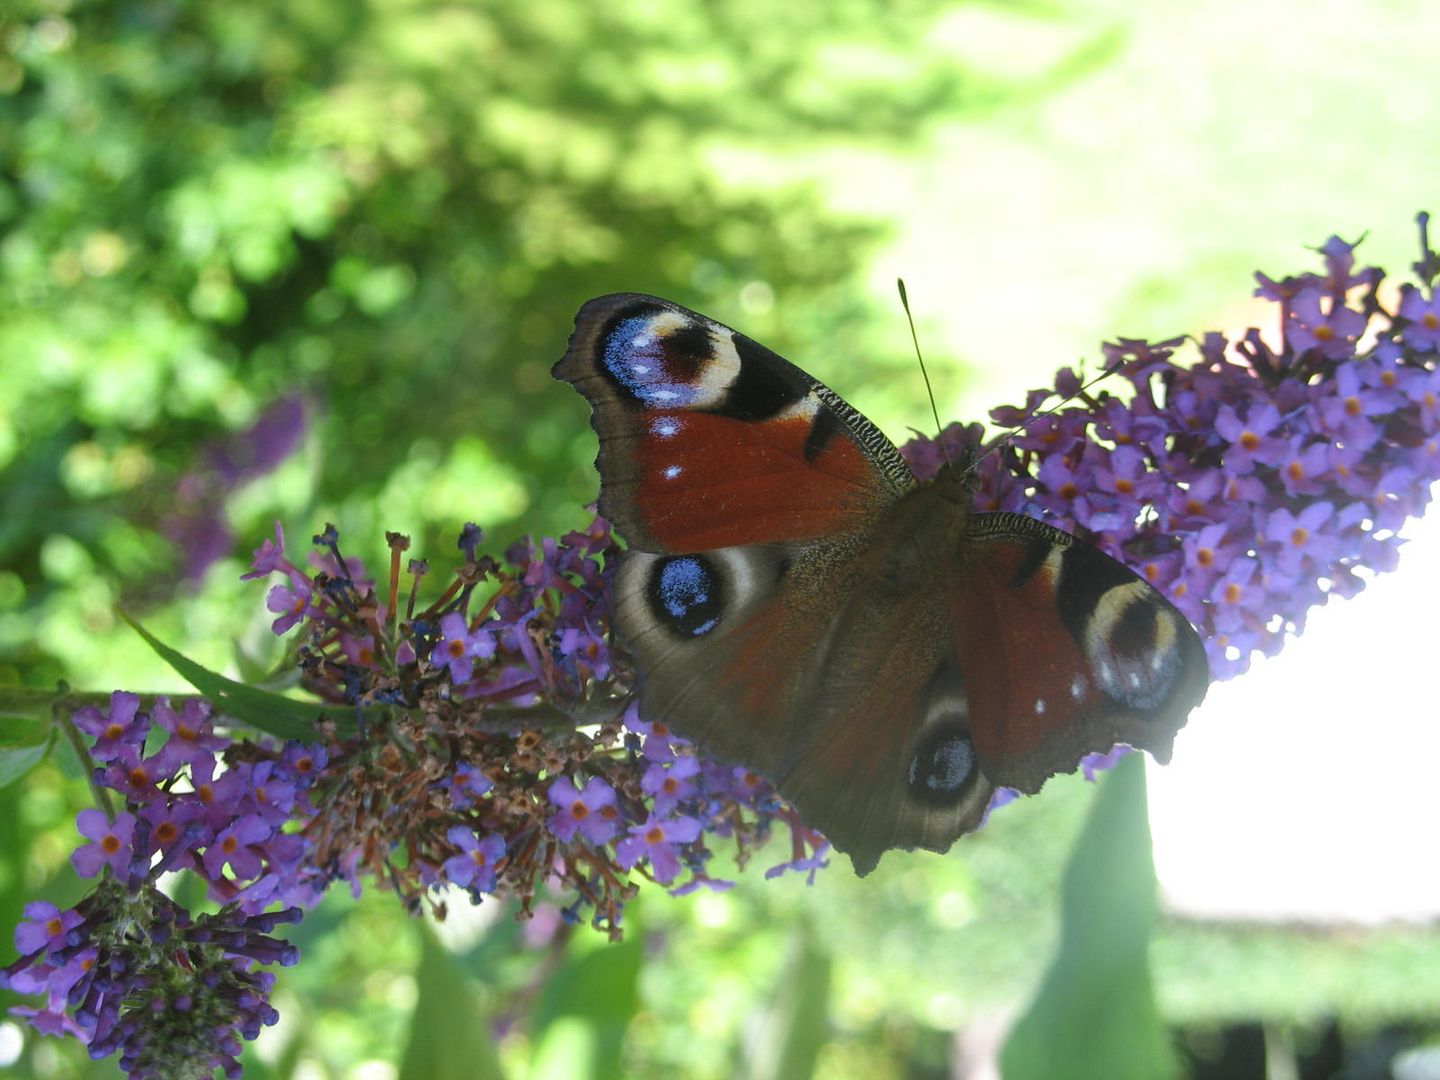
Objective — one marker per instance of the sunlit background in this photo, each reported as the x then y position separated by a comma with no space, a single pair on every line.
365,228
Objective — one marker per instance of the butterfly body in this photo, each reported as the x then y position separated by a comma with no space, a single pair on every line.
797,601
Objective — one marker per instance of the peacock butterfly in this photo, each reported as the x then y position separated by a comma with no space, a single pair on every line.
797,601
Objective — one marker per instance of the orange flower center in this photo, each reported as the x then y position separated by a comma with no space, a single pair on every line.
1123,486
1249,440
1430,320
1232,593
579,810
1352,406
110,843
1068,490
1323,333
654,835
1205,557
456,649
1299,536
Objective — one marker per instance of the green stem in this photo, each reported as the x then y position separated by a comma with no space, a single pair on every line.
62,710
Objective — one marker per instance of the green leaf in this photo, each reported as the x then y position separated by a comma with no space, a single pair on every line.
795,1026
449,1034
23,745
587,1006
1095,1013
273,714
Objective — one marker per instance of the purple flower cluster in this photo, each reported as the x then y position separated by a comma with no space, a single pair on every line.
188,809
558,799
1253,484
127,970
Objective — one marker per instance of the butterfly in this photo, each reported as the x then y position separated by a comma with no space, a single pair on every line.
796,601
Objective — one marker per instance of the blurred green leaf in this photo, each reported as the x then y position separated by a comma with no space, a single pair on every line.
786,1043
23,745
1095,1013
587,1005
273,714
449,1034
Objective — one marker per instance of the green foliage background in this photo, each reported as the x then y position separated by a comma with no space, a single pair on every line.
395,206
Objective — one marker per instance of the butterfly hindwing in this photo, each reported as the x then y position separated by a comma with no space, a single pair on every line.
1070,652
800,662
708,439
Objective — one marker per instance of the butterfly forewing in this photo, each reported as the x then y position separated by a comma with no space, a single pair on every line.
710,440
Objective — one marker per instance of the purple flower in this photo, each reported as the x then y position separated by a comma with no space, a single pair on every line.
1423,388
467,785
1346,408
189,730
474,867
1247,437
45,927
805,864
459,645
670,783
657,744
586,650
123,726
269,557
109,842
1423,316
292,602
1332,333
592,811
1094,764
1299,536
655,840
234,844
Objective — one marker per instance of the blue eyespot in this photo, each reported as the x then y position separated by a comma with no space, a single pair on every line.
942,767
685,594
635,358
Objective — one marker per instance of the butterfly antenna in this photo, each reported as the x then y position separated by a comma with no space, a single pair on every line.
934,411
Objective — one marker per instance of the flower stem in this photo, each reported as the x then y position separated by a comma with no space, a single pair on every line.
61,711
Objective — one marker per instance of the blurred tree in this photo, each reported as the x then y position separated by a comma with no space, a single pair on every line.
394,207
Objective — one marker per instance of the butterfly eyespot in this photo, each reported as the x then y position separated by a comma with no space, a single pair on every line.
943,766
686,594
1132,644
